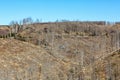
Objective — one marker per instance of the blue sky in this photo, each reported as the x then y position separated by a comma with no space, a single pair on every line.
51,10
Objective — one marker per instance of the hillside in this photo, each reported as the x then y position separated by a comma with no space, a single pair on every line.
69,39
21,61
108,68
61,51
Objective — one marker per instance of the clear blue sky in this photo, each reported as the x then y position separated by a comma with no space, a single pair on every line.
51,10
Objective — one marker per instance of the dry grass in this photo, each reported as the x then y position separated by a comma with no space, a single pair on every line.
21,60
54,51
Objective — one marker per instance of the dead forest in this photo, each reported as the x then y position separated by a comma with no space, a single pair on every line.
61,50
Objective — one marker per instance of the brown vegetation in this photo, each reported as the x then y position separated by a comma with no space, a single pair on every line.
64,50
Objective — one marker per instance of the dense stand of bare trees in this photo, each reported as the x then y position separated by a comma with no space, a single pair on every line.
104,48
87,30
86,69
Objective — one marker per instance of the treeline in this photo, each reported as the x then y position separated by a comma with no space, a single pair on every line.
79,28
89,26
15,27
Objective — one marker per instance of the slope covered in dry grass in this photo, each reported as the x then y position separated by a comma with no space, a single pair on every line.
62,51
21,60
